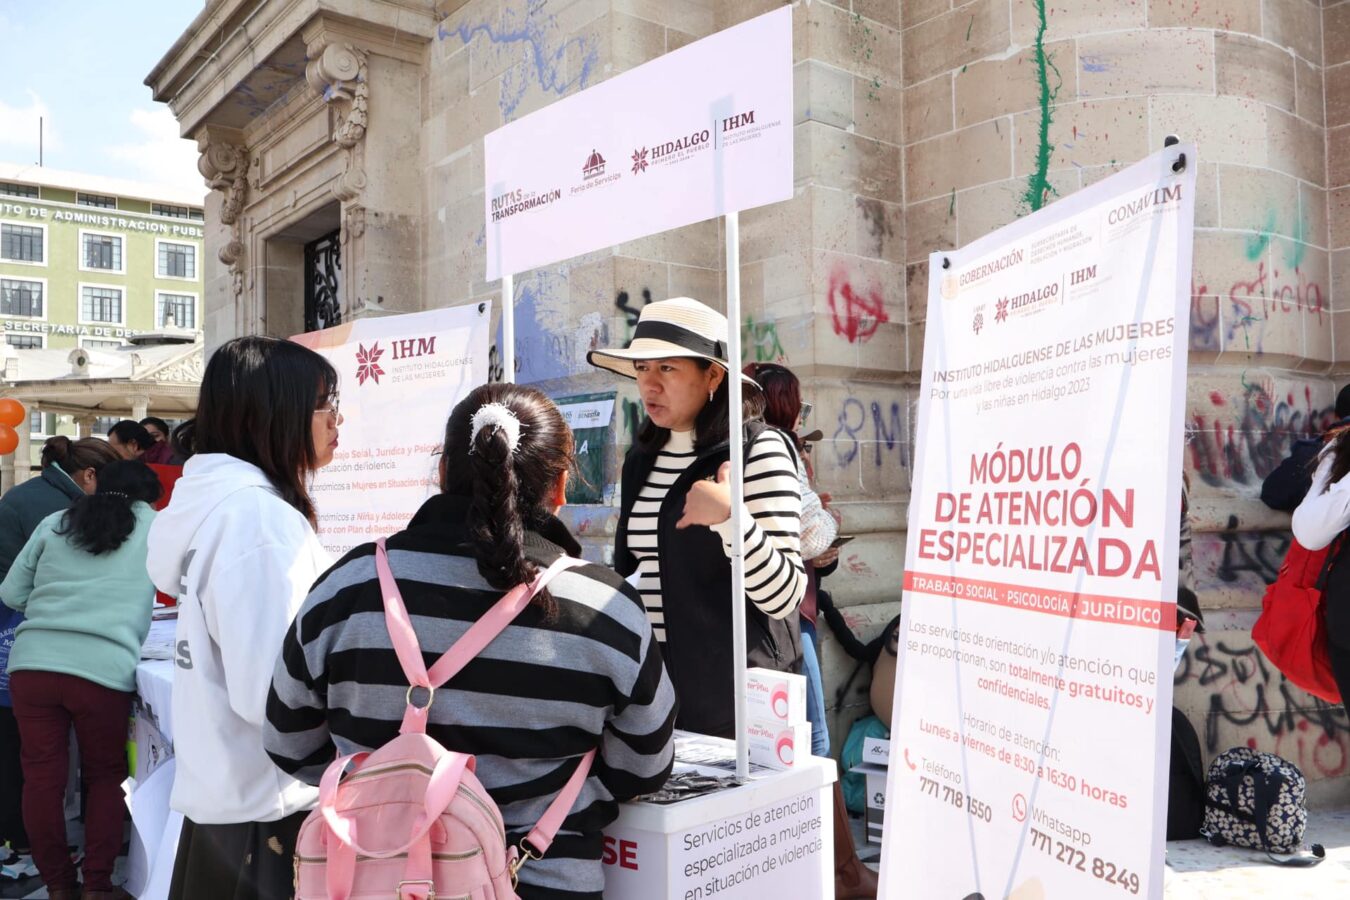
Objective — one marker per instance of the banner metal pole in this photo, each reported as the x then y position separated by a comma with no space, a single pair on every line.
508,328
737,482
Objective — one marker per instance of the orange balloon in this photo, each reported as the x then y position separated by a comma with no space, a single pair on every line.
9,440
12,412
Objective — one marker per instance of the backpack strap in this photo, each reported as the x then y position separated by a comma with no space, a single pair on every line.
470,644
545,830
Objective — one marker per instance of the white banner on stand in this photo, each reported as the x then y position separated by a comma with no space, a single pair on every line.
702,131
1032,706
399,378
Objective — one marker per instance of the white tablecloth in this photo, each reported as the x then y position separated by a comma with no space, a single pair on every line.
155,827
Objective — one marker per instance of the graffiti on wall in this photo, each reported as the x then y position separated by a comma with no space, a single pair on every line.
1246,701
555,66
856,313
1237,318
1240,437
875,426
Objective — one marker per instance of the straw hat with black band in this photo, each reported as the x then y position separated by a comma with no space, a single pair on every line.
681,327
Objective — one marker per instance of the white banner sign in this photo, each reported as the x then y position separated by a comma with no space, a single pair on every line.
400,377
1029,756
697,133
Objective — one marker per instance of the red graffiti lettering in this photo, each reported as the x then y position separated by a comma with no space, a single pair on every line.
856,316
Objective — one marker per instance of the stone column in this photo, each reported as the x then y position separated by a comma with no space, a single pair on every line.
367,79
140,405
84,426
23,454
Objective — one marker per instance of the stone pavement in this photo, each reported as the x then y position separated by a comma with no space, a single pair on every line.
1198,871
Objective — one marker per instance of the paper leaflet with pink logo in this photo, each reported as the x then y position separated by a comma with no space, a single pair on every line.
399,378
1029,752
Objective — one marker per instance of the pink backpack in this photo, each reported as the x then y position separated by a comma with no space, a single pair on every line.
411,821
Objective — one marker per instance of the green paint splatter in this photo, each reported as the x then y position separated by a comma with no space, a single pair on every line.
1298,248
951,207
970,27
1038,186
1257,243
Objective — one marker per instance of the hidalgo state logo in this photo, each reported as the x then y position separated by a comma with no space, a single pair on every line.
368,363
639,160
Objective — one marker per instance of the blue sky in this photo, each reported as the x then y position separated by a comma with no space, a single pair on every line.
80,64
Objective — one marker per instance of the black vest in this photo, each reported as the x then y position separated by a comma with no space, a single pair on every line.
696,598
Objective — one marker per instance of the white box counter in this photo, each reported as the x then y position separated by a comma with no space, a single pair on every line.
770,837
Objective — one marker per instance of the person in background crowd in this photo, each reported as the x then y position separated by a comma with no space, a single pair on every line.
1287,485
237,547
161,453
674,531
81,583
69,472
782,401
130,439
1323,516
579,663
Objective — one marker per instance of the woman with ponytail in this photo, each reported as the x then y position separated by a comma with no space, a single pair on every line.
81,583
577,670
69,471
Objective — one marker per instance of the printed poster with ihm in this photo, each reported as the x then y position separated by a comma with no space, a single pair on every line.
1029,754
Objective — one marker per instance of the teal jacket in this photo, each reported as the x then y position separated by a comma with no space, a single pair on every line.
85,615
21,509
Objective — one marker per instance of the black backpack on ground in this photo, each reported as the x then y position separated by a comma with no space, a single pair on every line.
1257,800
1185,782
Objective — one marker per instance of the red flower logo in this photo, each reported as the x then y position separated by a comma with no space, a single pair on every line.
640,160
1001,310
367,363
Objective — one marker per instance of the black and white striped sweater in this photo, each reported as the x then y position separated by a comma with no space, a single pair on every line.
549,688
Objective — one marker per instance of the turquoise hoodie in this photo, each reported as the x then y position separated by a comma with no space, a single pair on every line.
85,615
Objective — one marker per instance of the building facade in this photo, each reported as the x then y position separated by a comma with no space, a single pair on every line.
919,125
87,261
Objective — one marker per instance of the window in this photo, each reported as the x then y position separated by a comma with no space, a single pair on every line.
99,200
37,424
177,260
21,297
22,243
102,252
181,307
97,344
100,304
103,423
176,212
27,191
24,341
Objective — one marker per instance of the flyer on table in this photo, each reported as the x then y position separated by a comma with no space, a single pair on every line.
399,378
1029,752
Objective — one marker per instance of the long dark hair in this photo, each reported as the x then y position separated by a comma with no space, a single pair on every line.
712,426
102,522
257,403
782,397
510,491
75,456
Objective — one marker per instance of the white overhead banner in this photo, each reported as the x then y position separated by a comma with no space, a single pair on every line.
400,377
1032,706
702,131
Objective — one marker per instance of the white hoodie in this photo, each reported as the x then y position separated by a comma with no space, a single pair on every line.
240,560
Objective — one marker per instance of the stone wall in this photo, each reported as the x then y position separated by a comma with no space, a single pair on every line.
919,125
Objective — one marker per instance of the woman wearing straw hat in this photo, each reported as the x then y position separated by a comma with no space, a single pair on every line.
674,534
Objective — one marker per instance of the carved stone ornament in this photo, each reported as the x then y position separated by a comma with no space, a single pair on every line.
354,224
225,168
185,371
338,73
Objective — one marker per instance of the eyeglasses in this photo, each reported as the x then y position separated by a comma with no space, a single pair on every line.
331,407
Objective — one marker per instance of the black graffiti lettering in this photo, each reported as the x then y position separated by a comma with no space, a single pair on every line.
1259,552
